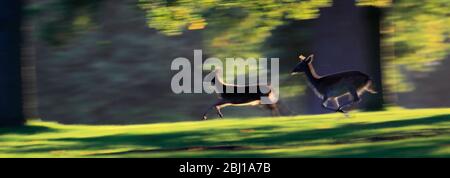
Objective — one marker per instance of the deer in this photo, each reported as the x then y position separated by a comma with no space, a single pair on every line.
330,88
235,98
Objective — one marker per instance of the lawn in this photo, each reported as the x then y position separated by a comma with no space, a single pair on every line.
393,133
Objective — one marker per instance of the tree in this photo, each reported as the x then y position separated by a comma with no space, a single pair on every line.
417,33
238,28
346,37
232,27
10,72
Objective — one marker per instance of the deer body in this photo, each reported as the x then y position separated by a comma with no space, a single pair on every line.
334,86
246,98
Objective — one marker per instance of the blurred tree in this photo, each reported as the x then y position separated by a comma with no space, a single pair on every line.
68,18
232,27
416,30
347,37
417,33
237,28
10,74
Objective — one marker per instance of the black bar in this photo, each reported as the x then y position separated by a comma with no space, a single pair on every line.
286,167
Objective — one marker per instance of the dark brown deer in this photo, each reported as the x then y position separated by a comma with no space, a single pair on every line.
235,98
334,86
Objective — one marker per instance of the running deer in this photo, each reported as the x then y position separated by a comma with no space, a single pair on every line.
246,98
334,86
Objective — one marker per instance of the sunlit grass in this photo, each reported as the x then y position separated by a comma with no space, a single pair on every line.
393,133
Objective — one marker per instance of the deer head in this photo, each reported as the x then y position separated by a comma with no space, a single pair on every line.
302,66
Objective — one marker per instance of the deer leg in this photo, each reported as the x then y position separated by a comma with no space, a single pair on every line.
215,105
269,107
355,99
335,102
355,95
274,109
206,112
219,113
277,110
325,104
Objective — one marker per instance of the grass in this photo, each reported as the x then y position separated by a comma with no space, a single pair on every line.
393,133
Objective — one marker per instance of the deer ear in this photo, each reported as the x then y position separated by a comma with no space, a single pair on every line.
301,57
310,58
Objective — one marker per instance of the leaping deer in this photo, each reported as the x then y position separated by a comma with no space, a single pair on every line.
332,87
246,98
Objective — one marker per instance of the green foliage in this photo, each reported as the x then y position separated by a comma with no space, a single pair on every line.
418,32
233,27
376,3
393,133
64,18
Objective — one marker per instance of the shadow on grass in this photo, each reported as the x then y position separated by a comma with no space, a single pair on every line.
424,148
190,148
25,130
267,137
164,142
346,131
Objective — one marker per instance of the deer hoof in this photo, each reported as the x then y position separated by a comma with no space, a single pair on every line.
340,110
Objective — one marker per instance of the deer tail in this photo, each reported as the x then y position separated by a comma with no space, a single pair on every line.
370,88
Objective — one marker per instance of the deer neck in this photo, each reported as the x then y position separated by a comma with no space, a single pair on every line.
312,76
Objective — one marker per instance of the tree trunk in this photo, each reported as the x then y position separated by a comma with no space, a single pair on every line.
374,102
11,111
346,37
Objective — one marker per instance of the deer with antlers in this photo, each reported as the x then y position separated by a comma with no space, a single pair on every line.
334,86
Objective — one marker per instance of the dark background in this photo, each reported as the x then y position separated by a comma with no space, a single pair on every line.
108,62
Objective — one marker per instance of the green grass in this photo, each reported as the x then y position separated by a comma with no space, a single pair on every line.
393,133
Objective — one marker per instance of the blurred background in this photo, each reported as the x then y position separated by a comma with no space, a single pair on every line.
108,61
